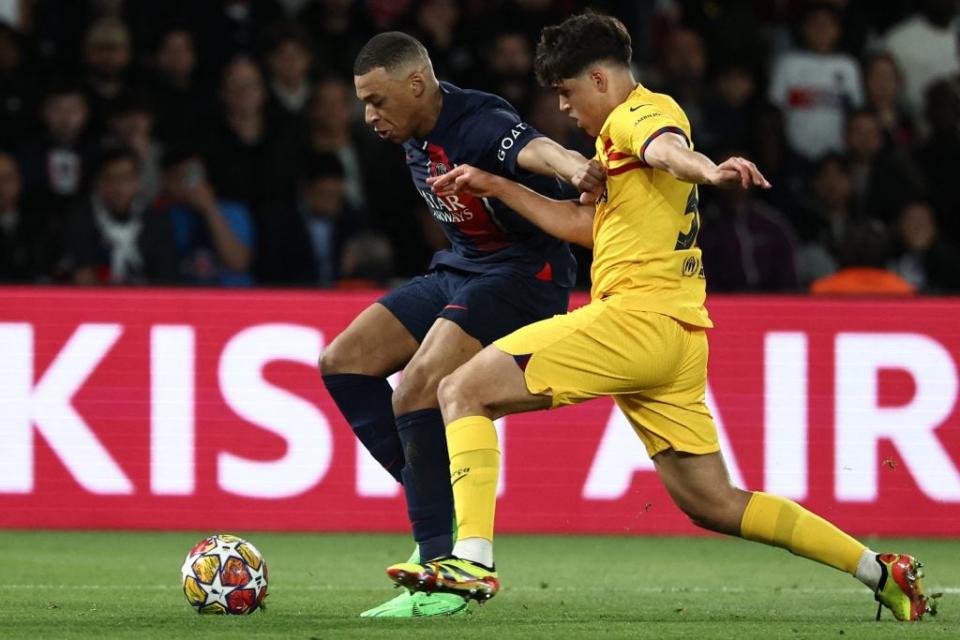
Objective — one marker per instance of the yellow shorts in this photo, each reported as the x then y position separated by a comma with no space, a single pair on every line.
654,367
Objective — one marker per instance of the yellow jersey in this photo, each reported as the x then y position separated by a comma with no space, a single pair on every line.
647,221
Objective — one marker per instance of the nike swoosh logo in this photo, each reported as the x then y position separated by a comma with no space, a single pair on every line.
640,105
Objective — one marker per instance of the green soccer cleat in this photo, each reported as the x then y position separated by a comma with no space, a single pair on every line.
900,589
419,605
448,575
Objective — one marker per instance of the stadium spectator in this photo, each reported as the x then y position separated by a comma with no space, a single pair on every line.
248,157
107,56
17,95
338,28
438,25
181,104
114,237
939,155
367,262
883,179
883,83
130,124
683,69
783,167
926,48
214,238
332,130
750,246
928,261
302,242
864,255
509,72
730,112
25,251
231,29
288,62
56,163
824,221
816,86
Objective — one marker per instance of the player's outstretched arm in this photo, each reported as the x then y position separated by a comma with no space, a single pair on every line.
546,157
564,219
670,153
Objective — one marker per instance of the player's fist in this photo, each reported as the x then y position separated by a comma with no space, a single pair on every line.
737,171
464,178
590,177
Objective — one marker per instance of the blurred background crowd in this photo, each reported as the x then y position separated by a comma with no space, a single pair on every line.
218,142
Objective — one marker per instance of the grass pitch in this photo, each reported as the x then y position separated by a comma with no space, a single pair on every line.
126,585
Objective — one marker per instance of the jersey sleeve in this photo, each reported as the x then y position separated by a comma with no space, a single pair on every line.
501,135
634,128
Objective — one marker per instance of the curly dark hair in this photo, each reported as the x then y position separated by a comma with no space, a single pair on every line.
567,49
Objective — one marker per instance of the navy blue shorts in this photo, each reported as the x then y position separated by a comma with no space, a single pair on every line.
486,306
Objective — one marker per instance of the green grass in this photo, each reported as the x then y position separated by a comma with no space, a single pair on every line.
126,585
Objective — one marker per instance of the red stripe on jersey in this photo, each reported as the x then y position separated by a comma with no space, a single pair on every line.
627,167
617,155
480,229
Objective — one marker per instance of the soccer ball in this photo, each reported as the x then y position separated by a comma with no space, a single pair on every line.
224,574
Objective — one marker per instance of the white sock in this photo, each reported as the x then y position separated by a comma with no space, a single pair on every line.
868,569
476,550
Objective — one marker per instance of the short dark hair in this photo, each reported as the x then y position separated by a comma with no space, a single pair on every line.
62,86
567,49
114,154
322,165
390,50
177,154
285,33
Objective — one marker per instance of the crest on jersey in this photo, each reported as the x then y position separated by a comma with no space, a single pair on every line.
438,168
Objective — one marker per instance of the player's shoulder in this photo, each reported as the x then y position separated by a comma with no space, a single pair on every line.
643,106
474,105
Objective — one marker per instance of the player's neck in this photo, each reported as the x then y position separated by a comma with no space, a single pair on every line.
622,84
431,113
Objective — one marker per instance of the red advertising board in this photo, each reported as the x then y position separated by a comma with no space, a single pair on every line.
175,409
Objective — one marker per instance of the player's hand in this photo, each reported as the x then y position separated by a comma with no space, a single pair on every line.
464,178
590,179
738,171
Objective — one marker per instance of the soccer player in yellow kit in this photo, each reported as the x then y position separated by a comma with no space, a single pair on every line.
641,339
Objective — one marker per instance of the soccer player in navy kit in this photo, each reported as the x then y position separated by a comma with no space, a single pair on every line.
500,274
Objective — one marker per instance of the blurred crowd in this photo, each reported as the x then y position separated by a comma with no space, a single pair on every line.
219,143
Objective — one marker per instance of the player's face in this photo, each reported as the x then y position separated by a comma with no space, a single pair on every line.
581,99
389,104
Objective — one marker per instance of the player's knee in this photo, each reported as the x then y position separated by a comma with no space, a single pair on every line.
341,356
417,390
451,391
718,512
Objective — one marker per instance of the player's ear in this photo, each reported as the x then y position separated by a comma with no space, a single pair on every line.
599,80
417,85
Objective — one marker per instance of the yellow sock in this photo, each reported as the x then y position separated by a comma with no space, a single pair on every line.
783,523
474,469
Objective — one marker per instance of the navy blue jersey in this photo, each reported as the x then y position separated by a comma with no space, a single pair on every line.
485,235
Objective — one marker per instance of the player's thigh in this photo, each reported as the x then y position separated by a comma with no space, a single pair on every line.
674,414
376,343
490,306
492,384
596,350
